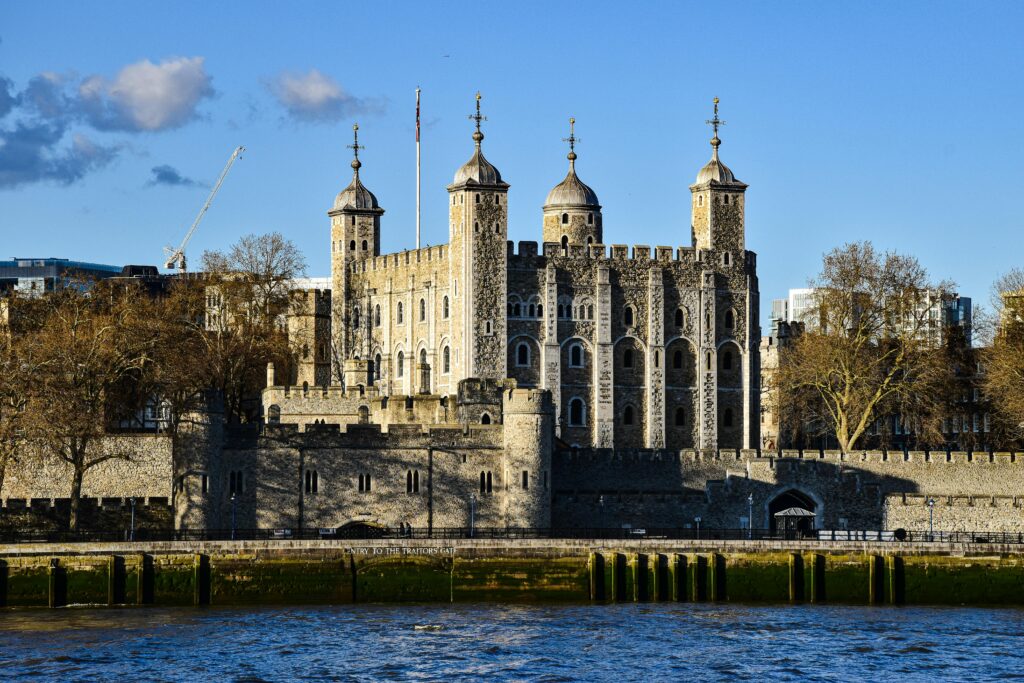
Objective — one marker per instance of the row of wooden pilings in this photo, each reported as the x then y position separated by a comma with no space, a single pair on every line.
700,577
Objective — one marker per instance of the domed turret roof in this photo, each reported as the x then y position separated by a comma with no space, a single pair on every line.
478,170
572,192
715,170
356,196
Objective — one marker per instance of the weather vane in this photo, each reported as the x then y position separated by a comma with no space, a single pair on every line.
478,136
715,122
572,139
355,146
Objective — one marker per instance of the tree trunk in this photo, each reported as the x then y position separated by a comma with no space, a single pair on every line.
76,497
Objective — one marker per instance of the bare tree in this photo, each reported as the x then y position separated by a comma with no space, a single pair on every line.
247,299
868,350
1003,380
86,350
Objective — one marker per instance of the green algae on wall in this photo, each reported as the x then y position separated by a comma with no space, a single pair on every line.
945,580
403,578
505,578
28,582
757,577
269,578
174,579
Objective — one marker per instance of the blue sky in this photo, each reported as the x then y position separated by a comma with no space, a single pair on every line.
894,122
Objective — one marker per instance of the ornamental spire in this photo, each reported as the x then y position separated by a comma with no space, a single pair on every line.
572,140
477,136
715,123
355,147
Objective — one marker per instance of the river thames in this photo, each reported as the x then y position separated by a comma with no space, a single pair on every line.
505,642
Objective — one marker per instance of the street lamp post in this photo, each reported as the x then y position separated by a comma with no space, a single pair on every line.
750,516
234,498
131,534
697,520
931,519
472,514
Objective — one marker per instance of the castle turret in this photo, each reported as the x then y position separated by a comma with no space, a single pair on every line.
529,417
355,235
478,230
572,214
717,204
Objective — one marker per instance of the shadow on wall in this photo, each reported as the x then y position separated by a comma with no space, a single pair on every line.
642,488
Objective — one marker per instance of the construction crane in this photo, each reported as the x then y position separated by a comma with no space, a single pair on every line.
176,257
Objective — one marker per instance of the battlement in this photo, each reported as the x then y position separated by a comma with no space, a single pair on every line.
376,436
787,457
603,252
474,390
401,259
312,300
528,401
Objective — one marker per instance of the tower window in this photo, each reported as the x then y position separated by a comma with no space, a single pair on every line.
497,229
352,245
700,200
352,221
627,415
401,312
401,364
576,356
446,360
565,244
680,417
565,219
679,317
364,245
590,311
477,197
375,375
485,419
627,358
532,311
590,219
476,227
523,354
444,308
376,315
423,310
312,481
627,316
487,327
730,320
725,199
726,259
355,317
526,480
517,310
577,412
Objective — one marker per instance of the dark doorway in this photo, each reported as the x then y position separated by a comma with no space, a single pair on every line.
785,501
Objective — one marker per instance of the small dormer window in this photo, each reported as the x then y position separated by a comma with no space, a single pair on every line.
565,219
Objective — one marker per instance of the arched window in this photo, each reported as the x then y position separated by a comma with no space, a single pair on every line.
577,412
700,200
446,360
576,356
274,414
627,358
376,368
485,419
727,418
423,356
590,219
561,311
488,482
590,311
352,245
401,364
679,317
677,360
727,360
523,354
423,310
477,197
364,415
725,259
444,308
680,417
376,315
408,481
517,310
565,219
355,317
476,226
364,245
497,228
627,415
483,482
627,316
532,311
312,481
415,481
730,320
540,310
657,359
401,312
565,244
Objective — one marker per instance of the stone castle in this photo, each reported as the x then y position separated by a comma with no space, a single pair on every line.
567,384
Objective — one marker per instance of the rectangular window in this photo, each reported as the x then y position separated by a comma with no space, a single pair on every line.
206,483
526,480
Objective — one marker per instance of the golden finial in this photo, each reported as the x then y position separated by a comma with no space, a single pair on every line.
715,123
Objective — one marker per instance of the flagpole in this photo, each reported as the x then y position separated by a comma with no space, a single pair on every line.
417,168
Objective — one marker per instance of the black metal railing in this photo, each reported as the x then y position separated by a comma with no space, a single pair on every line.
370,532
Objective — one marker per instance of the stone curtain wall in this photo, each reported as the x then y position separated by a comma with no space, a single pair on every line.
146,473
646,488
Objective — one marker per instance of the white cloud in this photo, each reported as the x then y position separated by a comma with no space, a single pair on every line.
146,96
317,97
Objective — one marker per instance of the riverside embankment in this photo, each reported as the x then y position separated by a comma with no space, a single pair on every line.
326,572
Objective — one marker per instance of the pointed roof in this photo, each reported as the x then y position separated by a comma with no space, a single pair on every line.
478,171
572,192
715,170
356,196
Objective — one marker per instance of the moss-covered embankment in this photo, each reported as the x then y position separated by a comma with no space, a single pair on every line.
225,573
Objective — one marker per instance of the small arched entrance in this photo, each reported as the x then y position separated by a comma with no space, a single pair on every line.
788,502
